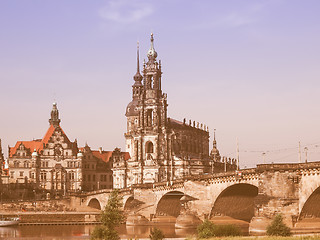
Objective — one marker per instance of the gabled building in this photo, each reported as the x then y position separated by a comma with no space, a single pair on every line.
56,164
97,173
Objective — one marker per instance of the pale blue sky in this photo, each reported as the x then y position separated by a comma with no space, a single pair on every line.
248,68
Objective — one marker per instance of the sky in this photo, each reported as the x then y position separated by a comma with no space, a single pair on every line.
249,69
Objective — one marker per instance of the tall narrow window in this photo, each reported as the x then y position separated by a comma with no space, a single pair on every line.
149,147
149,117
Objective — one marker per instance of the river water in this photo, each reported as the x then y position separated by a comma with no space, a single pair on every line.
83,232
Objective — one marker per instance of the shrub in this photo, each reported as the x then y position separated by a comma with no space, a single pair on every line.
207,229
156,234
227,230
277,227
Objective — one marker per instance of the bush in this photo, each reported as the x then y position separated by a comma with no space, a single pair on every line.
207,229
227,230
277,227
156,234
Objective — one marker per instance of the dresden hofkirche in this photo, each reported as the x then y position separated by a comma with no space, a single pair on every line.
161,148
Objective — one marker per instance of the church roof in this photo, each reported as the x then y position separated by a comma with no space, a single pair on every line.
174,121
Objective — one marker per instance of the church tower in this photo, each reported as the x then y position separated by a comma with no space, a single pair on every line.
146,123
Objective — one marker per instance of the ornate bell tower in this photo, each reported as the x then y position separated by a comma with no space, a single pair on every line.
146,136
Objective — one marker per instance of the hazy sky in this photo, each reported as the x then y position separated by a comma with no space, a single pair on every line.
248,68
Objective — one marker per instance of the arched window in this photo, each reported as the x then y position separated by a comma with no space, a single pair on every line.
149,147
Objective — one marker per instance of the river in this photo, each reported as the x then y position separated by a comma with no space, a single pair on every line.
83,232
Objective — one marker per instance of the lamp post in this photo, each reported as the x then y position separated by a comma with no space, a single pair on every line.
306,151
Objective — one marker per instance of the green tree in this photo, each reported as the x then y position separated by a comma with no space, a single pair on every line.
277,227
112,216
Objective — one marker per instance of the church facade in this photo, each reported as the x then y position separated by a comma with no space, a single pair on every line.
160,148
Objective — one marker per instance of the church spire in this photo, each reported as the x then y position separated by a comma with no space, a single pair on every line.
214,139
137,77
138,67
2,162
54,120
215,152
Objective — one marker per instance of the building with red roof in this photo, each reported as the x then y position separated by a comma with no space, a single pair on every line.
56,164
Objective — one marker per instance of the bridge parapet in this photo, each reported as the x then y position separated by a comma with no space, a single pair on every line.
288,166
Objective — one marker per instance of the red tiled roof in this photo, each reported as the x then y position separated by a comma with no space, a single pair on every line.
126,155
49,133
37,144
103,155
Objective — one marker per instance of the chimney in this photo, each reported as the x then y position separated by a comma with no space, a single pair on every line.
100,150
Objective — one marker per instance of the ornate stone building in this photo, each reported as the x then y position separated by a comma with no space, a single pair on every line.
160,148
56,164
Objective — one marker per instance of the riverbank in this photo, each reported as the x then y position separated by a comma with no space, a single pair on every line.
56,218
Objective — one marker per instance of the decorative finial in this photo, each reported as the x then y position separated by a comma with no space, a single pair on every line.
54,120
152,54
138,67
214,134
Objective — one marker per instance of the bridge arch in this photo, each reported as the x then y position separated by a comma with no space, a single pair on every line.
127,203
311,207
309,183
236,201
94,203
169,204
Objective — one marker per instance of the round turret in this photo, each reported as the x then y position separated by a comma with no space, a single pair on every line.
132,109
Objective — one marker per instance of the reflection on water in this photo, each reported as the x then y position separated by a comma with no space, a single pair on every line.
83,231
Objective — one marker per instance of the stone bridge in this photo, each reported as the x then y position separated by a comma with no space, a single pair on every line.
249,194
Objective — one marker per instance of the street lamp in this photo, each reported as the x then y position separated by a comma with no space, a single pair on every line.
306,151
